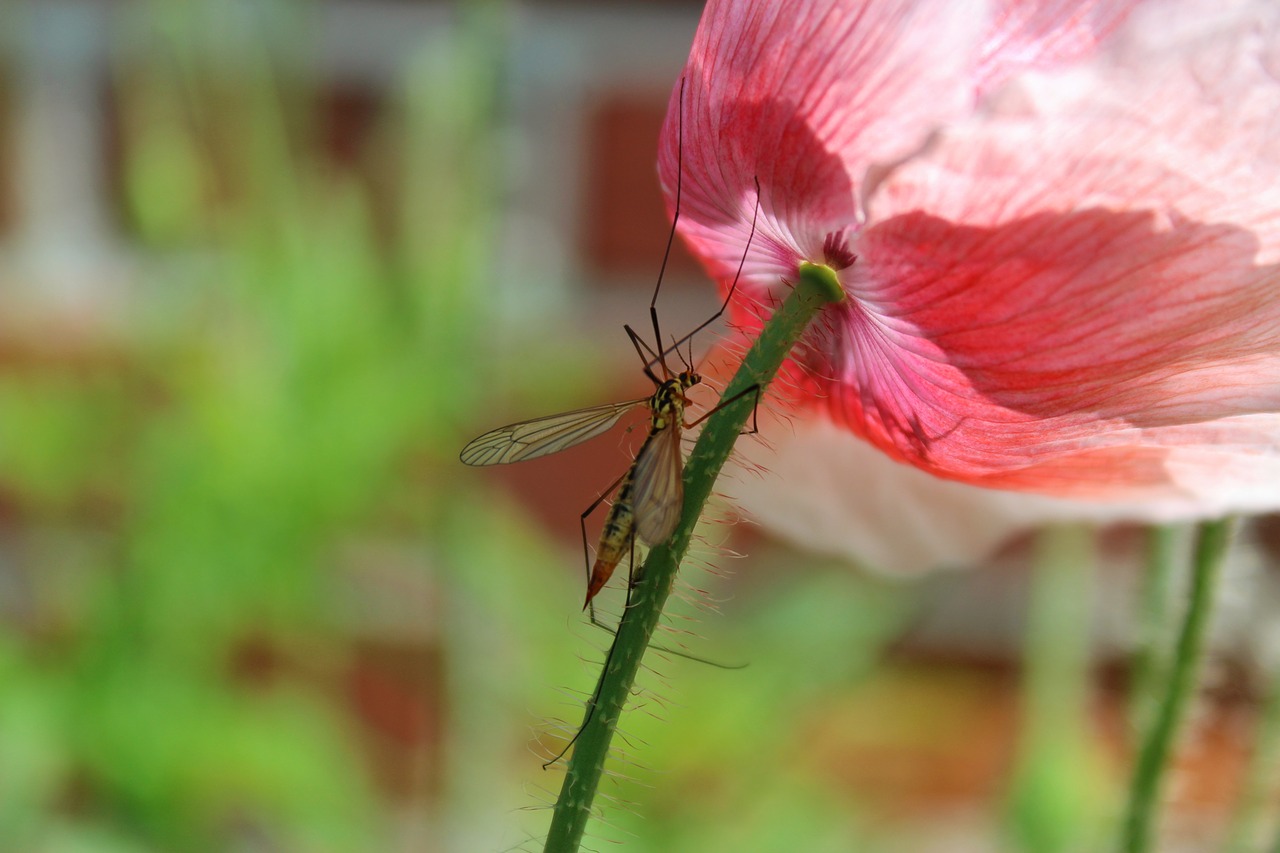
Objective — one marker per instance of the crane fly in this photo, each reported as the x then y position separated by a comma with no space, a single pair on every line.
650,494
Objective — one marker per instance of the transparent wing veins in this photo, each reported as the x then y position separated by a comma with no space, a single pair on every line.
542,436
659,486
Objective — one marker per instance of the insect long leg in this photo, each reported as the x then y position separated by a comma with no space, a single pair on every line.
631,571
632,580
666,650
755,407
591,709
728,296
649,360
595,694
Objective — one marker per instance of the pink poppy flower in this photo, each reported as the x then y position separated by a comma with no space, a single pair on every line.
1058,224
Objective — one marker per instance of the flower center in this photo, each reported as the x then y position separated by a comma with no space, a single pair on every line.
836,251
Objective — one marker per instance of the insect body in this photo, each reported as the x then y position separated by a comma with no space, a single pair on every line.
649,496
651,493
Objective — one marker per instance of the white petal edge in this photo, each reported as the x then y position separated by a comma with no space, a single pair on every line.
824,489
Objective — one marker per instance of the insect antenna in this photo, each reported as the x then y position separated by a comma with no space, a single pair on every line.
659,358
755,215
671,235
686,363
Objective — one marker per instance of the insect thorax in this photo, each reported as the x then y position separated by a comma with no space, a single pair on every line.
668,402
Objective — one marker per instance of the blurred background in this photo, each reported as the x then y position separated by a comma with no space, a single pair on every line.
264,268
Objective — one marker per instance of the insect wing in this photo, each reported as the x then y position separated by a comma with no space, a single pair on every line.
541,436
659,487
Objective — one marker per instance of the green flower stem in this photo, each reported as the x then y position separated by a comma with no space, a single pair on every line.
1152,657
817,287
1157,746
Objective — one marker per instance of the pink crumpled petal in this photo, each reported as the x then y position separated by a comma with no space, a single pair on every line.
1066,223
1066,226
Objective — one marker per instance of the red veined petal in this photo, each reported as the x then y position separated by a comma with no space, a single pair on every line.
818,485
1023,35
818,100
976,352
1071,288
1087,278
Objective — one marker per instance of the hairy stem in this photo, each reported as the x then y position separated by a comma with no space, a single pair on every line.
817,287
1150,769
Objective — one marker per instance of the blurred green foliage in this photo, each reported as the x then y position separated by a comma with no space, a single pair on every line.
294,379
288,381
